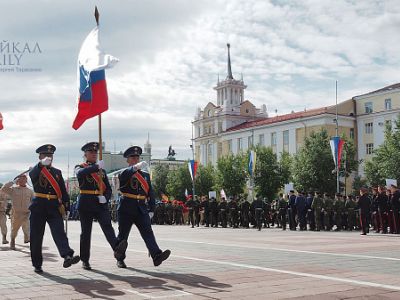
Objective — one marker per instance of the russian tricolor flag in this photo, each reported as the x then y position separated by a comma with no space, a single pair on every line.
92,61
192,168
336,147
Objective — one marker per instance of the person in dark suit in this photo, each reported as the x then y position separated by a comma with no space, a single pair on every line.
137,206
49,202
364,206
94,196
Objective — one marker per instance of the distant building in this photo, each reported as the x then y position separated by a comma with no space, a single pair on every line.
233,124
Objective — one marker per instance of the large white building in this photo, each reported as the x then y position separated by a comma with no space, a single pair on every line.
234,124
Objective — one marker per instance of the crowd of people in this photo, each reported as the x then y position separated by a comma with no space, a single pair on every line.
377,209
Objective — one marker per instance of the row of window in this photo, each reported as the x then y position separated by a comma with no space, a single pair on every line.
261,141
370,109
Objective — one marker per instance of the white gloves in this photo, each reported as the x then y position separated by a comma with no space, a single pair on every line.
102,199
140,166
46,161
100,163
151,214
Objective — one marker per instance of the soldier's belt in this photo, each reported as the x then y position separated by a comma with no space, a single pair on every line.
133,196
90,192
45,196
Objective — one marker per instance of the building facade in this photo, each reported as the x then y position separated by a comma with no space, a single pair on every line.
233,124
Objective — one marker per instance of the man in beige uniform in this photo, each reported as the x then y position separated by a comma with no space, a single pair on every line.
3,217
21,197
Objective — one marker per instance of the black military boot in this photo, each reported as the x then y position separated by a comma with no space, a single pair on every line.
121,264
119,252
71,260
160,257
38,270
86,266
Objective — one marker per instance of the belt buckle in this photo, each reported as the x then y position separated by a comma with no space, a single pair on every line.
48,197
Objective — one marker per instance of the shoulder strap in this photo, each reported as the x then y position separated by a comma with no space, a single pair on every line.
143,182
52,181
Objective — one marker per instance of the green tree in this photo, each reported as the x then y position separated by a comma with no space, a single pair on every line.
285,164
160,179
178,181
267,175
204,181
231,174
313,164
385,162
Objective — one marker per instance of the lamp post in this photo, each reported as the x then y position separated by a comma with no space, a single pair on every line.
192,146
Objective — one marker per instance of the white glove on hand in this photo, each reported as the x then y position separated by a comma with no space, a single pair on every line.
100,163
151,215
141,165
46,161
102,199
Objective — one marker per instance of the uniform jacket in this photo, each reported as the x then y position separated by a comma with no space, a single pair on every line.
87,182
20,197
42,185
129,184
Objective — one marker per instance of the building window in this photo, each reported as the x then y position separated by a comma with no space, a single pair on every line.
240,144
210,150
352,133
369,148
369,128
273,139
286,140
368,107
261,140
388,104
230,146
250,141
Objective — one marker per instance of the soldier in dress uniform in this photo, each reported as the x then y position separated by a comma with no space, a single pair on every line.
197,206
233,213
137,206
245,212
282,207
317,205
21,197
50,198
94,195
223,210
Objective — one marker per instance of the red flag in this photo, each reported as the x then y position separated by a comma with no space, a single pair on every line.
1,122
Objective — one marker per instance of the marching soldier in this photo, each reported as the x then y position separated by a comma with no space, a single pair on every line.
197,206
395,206
282,207
258,208
223,207
383,209
3,217
94,195
245,211
316,206
137,206
364,205
350,206
213,212
328,203
50,198
292,211
21,197
190,206
233,213
338,208
205,204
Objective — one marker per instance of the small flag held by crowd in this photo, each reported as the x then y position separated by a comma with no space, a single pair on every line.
252,162
336,147
192,168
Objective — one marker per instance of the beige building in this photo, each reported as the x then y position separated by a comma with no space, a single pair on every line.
233,124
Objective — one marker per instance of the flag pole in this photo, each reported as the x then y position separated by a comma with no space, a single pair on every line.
97,16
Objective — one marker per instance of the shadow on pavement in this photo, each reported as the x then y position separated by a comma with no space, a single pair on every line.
191,280
94,288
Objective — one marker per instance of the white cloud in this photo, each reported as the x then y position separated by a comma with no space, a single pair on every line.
290,54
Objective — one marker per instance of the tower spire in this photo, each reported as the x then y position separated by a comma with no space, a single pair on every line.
229,63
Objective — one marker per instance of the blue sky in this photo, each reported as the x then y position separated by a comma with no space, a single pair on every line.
290,54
